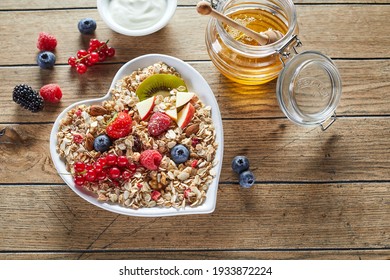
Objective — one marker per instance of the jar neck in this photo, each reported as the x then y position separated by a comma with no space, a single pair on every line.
285,9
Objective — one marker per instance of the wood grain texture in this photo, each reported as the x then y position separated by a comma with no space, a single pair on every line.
277,149
204,255
274,216
36,4
366,90
332,34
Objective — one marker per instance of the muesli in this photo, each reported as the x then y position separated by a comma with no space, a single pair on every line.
152,144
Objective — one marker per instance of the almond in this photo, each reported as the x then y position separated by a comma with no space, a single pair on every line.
97,110
192,129
89,139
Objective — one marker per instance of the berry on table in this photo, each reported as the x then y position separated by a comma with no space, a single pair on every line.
179,154
51,93
158,124
120,127
150,159
102,143
240,164
86,26
46,42
247,179
98,51
28,98
46,59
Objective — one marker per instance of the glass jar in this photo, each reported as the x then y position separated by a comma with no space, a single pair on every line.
250,64
308,87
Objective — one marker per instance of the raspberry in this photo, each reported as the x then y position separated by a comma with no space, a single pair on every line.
28,98
158,124
150,159
51,93
46,42
120,127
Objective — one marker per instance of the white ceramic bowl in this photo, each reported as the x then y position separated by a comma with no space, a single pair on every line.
195,83
102,6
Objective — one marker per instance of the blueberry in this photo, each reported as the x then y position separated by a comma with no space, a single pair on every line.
87,26
180,154
247,179
240,164
46,59
102,143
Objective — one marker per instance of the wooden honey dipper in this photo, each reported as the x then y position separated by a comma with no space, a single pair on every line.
263,38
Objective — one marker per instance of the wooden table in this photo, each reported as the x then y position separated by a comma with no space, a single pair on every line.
318,195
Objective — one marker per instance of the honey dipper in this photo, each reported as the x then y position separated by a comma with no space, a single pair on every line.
263,38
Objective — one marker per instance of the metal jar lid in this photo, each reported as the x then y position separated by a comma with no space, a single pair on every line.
309,88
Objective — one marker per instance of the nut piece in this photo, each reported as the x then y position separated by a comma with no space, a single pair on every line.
89,139
192,129
97,110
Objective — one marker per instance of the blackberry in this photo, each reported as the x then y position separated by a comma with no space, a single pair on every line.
27,98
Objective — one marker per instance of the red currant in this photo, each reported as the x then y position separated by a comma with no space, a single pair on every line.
82,53
94,43
102,175
114,173
89,166
102,56
110,52
91,175
79,180
79,166
72,61
126,175
98,167
122,161
94,57
102,161
81,68
132,166
111,159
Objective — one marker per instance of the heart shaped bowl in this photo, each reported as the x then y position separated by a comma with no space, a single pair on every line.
195,83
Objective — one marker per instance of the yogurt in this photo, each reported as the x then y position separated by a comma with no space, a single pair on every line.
137,14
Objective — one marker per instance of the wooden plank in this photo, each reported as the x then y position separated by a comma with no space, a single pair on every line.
351,150
332,34
36,4
366,90
274,216
206,255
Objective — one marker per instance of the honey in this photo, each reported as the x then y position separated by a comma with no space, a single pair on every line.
239,57
256,19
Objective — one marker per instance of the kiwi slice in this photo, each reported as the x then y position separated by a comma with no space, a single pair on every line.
160,84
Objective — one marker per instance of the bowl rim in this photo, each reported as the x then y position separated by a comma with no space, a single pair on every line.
184,69
103,12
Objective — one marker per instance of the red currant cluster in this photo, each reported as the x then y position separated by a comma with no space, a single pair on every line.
110,169
98,51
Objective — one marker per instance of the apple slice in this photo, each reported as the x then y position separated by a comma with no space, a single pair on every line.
172,113
183,97
145,107
185,115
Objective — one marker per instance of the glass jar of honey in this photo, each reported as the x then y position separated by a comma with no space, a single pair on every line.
309,85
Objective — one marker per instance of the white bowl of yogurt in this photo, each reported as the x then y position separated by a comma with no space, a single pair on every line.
136,17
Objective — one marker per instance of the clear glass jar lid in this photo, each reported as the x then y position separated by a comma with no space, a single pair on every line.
309,88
